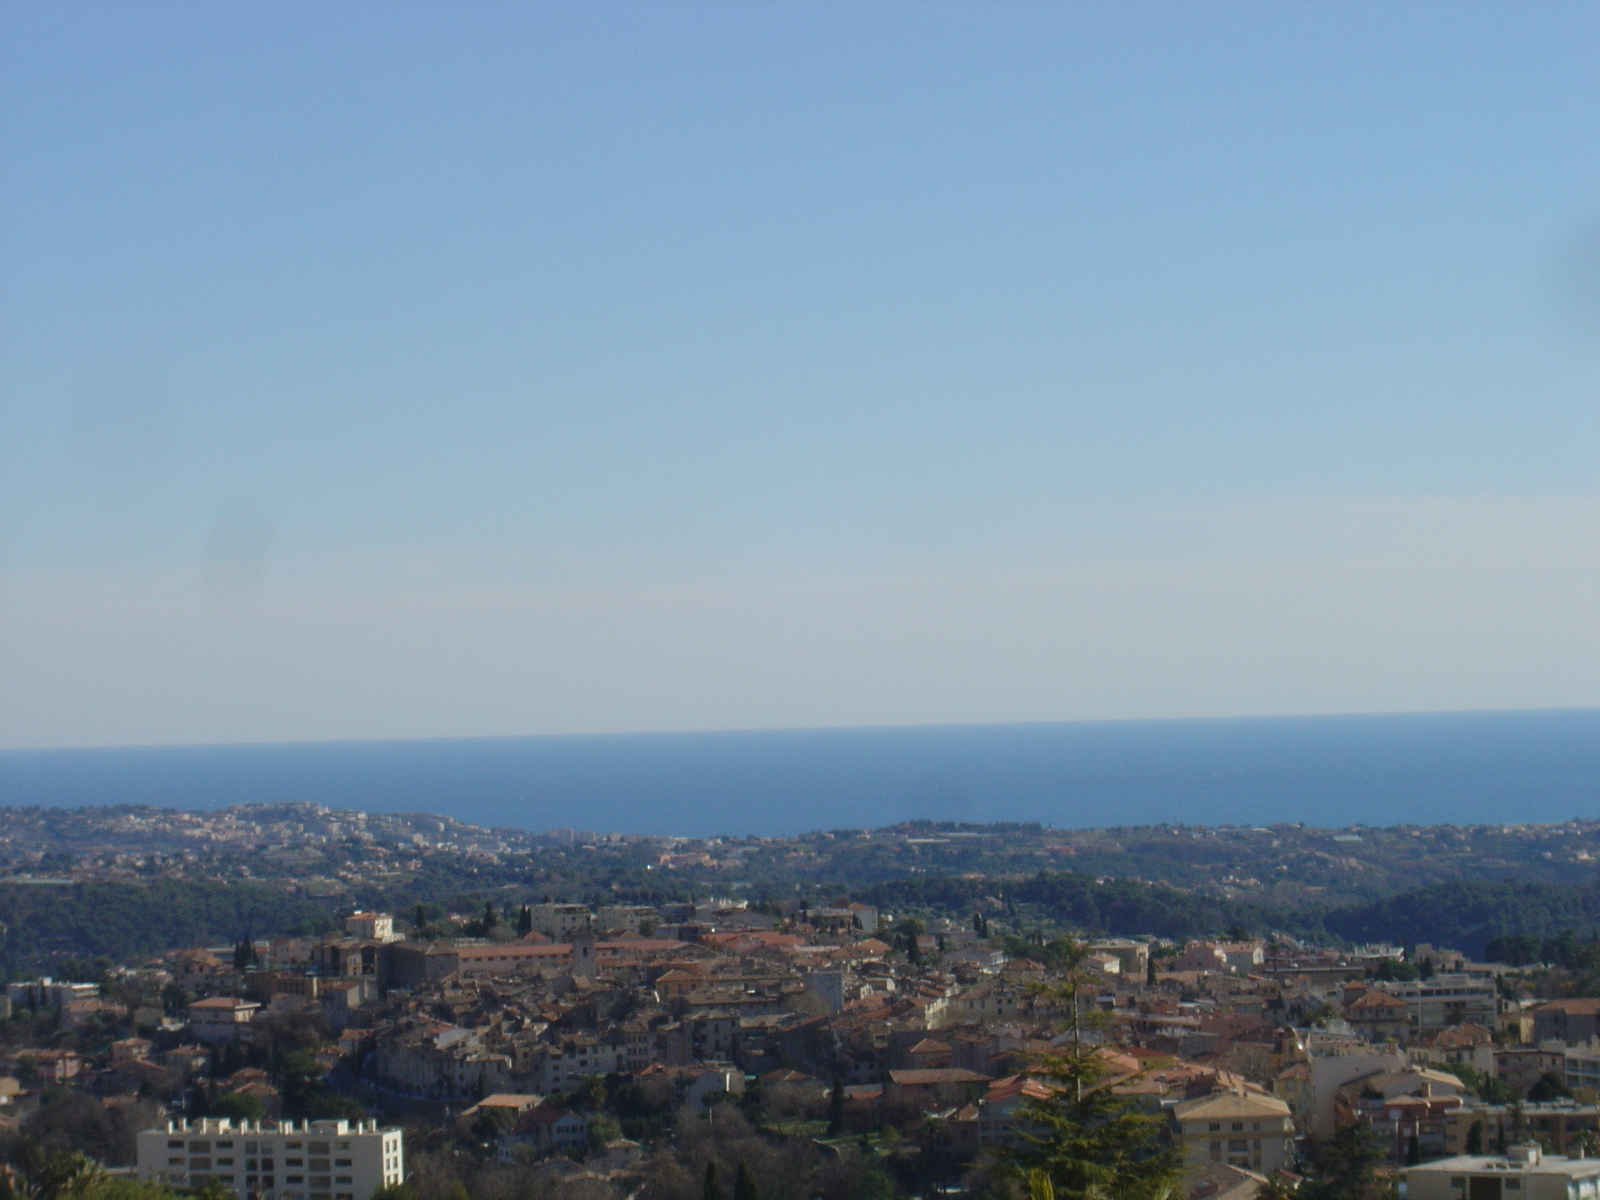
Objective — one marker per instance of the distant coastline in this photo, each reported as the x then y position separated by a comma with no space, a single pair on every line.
1464,768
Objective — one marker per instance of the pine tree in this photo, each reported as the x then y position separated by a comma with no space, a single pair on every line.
744,1183
713,1188
1347,1166
1087,1141
489,921
1150,971
418,919
525,921
1475,1138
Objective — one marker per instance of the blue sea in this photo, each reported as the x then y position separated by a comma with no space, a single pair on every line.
1464,768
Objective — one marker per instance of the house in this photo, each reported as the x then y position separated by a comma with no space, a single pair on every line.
1330,1072
1237,1127
1560,1124
131,1049
1465,1045
1378,1016
936,1087
222,1019
1219,1181
371,927
1406,1111
76,1013
504,1107
929,1053
1133,956
53,1066
1520,1067
545,1130
1525,1173
710,1079
1002,1113
1567,1021
198,970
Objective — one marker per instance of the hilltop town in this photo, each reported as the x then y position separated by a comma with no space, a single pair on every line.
617,1049
844,1013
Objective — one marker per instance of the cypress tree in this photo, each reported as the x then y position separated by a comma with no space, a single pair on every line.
744,1183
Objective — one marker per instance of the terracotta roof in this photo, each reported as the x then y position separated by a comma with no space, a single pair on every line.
1232,1104
936,1075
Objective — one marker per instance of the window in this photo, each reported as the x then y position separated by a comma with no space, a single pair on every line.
1215,1128
1238,1126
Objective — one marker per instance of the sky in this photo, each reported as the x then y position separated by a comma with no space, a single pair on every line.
443,369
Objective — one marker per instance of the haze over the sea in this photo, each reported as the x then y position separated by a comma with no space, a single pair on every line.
1466,768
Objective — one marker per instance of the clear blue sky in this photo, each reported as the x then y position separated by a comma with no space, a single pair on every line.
431,369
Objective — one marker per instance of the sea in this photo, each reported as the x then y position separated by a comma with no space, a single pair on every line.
1330,771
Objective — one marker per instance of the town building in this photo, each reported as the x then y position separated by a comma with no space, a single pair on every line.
222,1019
1525,1173
1237,1127
311,1160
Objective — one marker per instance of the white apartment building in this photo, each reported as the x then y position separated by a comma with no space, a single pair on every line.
561,921
629,918
1446,1000
285,1160
45,992
1236,1127
371,927
1526,1173
222,1019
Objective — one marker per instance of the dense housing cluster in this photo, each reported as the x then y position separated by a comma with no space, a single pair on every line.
567,1013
